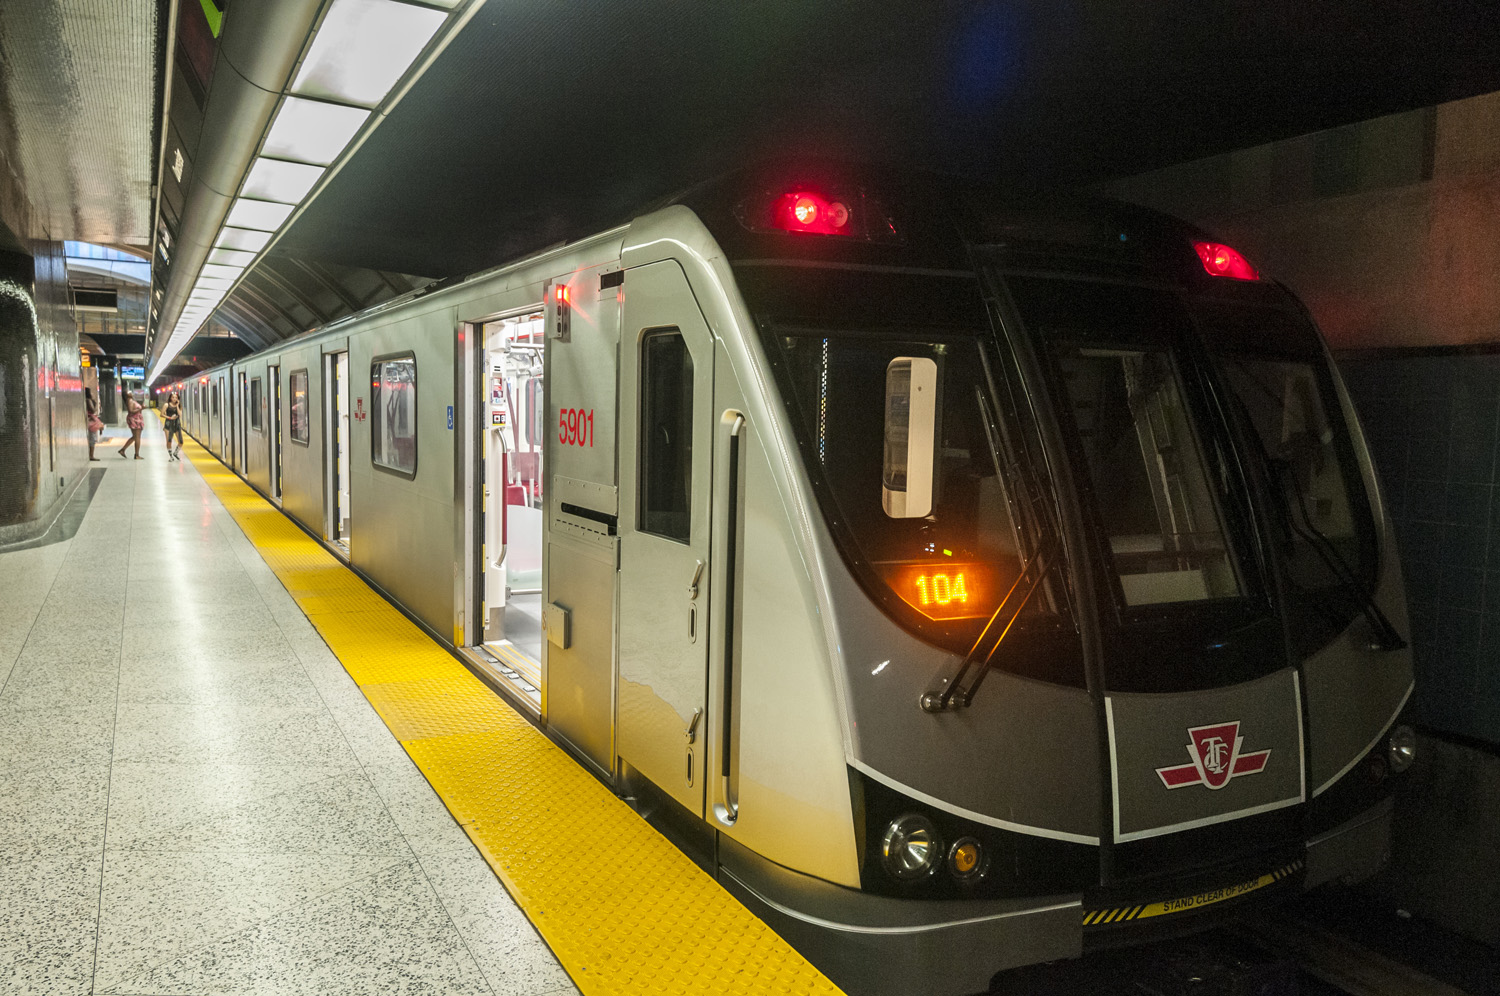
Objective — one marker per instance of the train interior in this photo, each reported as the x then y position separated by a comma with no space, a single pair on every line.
513,423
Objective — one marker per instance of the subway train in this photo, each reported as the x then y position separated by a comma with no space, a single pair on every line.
967,581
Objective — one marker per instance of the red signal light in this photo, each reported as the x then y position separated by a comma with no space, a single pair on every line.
1221,261
804,211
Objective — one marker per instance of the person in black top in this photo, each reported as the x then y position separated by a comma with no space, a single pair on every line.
172,425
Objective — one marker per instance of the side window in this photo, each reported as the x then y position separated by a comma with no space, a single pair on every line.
255,401
666,443
301,432
393,414
215,399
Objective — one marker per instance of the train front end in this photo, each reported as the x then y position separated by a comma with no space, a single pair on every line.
1111,599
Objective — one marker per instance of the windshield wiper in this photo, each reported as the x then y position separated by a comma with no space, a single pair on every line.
948,689
1383,635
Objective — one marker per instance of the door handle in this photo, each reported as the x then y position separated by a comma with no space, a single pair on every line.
693,584
692,728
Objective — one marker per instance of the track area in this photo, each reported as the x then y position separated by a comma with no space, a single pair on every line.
623,909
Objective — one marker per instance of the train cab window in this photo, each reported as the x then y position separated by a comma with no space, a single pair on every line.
393,414
255,403
666,443
1143,457
1158,487
903,434
301,430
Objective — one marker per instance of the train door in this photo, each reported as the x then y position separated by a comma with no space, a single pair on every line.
666,439
336,435
512,425
274,432
242,417
226,418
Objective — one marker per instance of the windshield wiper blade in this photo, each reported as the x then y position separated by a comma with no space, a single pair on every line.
949,690
1383,635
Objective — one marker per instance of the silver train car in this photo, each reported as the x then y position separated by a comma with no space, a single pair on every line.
966,584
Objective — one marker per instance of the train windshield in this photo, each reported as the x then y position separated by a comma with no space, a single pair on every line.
902,431
1158,481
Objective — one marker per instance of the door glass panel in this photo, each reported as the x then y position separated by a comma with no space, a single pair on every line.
1152,490
666,444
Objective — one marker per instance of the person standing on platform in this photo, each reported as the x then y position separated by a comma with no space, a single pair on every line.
95,423
135,421
172,423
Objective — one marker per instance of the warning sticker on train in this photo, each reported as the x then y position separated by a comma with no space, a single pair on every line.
1121,914
1216,758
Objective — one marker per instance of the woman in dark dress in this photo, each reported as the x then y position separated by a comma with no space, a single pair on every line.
172,425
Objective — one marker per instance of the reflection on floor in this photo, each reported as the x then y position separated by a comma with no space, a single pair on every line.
196,798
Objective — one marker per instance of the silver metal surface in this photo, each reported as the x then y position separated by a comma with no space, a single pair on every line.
78,86
663,667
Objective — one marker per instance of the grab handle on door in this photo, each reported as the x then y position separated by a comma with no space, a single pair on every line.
727,810
693,584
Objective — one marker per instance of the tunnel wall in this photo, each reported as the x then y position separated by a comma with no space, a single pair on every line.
1387,230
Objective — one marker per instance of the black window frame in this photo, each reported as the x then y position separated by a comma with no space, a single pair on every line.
257,398
291,393
643,463
375,363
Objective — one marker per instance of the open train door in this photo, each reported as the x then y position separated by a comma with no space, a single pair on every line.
666,441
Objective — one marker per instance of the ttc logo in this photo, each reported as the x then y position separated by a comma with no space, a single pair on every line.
1215,751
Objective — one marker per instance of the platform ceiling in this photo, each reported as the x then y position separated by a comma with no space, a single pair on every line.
547,121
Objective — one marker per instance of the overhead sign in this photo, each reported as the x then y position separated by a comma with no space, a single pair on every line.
133,373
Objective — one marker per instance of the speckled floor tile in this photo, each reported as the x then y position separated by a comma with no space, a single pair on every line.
235,647
40,738
278,685
510,952
410,800
248,809
228,734
47,924
387,935
35,684
52,810
157,907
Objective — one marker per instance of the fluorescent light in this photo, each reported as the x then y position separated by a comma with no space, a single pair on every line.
264,215
312,132
277,180
221,270
242,238
362,48
234,257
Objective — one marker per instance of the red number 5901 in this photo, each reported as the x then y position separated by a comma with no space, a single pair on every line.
575,427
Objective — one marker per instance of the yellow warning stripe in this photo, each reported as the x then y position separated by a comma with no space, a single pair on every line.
624,910
1095,918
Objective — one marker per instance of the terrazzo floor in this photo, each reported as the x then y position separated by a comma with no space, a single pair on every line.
194,796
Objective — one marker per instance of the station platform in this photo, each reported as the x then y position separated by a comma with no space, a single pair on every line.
227,766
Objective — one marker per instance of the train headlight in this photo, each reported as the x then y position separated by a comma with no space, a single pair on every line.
910,848
1401,748
967,860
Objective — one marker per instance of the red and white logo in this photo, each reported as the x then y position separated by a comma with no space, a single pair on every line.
1215,751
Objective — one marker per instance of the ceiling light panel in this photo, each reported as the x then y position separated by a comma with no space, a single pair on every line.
242,238
264,215
233,257
310,131
221,270
275,180
362,48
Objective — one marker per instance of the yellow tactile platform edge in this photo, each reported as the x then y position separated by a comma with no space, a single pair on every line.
624,910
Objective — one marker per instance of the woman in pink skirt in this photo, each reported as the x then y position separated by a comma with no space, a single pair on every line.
135,421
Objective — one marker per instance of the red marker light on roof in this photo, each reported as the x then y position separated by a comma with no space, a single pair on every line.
804,211
1221,261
